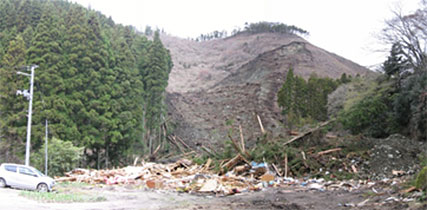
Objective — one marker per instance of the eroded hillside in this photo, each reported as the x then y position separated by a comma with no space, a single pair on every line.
236,79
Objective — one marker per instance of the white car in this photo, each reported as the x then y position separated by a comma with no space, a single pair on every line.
24,177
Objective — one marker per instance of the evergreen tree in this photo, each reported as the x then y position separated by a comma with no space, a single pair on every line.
13,120
99,84
155,79
300,99
285,95
45,51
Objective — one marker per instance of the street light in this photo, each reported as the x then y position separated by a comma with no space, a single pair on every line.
29,97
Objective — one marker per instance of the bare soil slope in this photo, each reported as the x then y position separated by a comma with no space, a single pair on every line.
236,79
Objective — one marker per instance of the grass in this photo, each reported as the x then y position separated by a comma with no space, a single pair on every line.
65,193
61,185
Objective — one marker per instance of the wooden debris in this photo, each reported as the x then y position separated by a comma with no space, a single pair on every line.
183,176
328,151
207,164
398,173
411,189
136,161
209,186
241,169
293,133
153,184
303,155
238,149
276,169
353,167
233,162
267,177
242,140
260,124
308,132
183,143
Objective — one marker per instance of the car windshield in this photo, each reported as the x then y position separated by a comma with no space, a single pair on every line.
38,172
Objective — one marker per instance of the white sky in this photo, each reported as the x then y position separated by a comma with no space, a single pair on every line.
345,27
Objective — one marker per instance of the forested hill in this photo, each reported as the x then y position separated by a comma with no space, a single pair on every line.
99,84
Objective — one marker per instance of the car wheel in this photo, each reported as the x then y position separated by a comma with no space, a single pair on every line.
2,183
42,187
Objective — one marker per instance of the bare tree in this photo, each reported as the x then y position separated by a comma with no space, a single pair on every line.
409,32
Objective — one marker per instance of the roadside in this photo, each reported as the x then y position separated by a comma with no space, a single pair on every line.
380,195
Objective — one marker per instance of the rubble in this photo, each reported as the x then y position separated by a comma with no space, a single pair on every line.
184,176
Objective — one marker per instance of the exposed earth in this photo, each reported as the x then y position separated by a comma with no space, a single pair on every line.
237,79
377,196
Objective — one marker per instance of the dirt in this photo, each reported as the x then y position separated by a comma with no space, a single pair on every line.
292,198
395,153
237,78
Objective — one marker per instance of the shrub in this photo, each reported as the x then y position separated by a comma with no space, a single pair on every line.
63,156
421,181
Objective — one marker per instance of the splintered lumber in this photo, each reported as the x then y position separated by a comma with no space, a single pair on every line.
308,132
233,162
207,164
354,169
136,161
242,140
411,189
238,149
156,150
240,169
183,143
276,169
328,151
303,155
260,124
172,139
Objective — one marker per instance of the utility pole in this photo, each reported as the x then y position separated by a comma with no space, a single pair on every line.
45,150
30,109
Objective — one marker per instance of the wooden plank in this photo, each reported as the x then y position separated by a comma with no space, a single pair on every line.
260,124
329,151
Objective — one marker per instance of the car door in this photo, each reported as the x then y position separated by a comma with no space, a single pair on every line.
27,178
10,175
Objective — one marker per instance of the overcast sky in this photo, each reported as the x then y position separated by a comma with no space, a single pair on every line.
345,27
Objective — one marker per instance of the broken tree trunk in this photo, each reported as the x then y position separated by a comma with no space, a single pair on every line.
242,140
238,149
183,143
172,139
308,132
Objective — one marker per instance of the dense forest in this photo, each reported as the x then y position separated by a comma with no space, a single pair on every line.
100,85
306,101
255,28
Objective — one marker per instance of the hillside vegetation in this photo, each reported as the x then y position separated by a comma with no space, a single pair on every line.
100,85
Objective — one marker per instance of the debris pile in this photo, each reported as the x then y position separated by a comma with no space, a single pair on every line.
182,176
